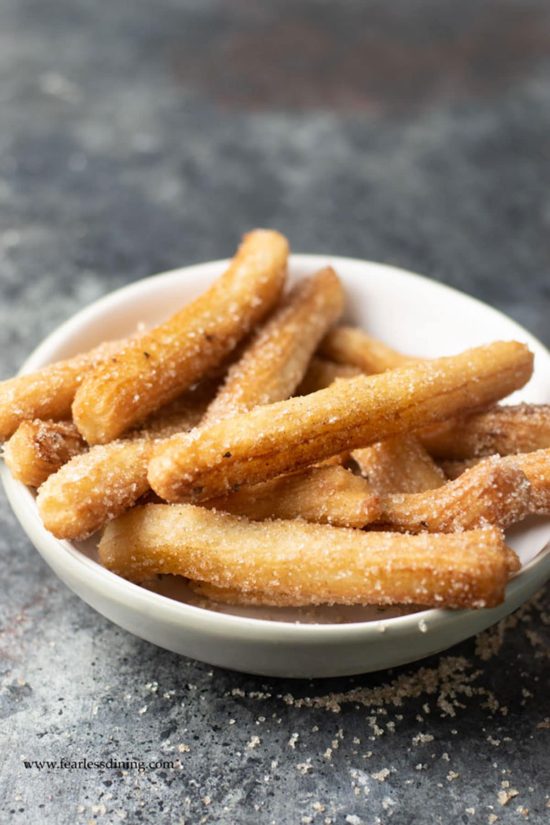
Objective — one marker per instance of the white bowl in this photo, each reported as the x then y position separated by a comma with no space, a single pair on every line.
411,313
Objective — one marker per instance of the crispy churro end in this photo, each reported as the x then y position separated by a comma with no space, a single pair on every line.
166,360
39,448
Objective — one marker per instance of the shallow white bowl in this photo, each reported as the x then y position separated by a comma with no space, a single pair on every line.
409,312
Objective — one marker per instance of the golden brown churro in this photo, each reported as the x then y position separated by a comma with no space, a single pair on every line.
504,429
496,490
108,479
39,448
399,465
94,487
492,492
321,373
75,503
536,466
49,392
326,495
279,438
276,360
349,345
283,523
162,363
303,563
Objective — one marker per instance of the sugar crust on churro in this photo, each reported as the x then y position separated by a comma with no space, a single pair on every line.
286,518
492,492
276,360
303,563
326,495
504,429
159,365
279,438
103,482
398,465
49,392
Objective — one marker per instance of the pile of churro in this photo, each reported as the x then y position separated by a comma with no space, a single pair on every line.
271,456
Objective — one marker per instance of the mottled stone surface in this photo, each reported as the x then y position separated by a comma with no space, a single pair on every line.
138,136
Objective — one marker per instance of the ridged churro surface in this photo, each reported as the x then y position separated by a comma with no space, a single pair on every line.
503,429
399,465
327,495
300,563
492,492
276,360
280,438
159,365
103,482
49,392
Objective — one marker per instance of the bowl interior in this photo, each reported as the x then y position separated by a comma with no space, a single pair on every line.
411,313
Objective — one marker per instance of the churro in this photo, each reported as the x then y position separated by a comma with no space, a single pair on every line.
75,503
39,448
327,495
156,367
49,392
275,362
536,466
503,429
352,346
399,465
283,437
305,563
109,478
492,492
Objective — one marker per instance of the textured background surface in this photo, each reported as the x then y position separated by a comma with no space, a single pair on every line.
139,136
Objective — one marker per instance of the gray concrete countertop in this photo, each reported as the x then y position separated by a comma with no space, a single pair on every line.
139,136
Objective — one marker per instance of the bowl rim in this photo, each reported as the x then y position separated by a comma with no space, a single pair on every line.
134,596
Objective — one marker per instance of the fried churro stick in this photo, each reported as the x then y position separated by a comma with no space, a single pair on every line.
536,466
327,495
108,479
94,487
275,362
307,563
399,465
49,392
496,490
352,346
490,493
168,359
503,429
39,448
279,438
269,369
321,373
